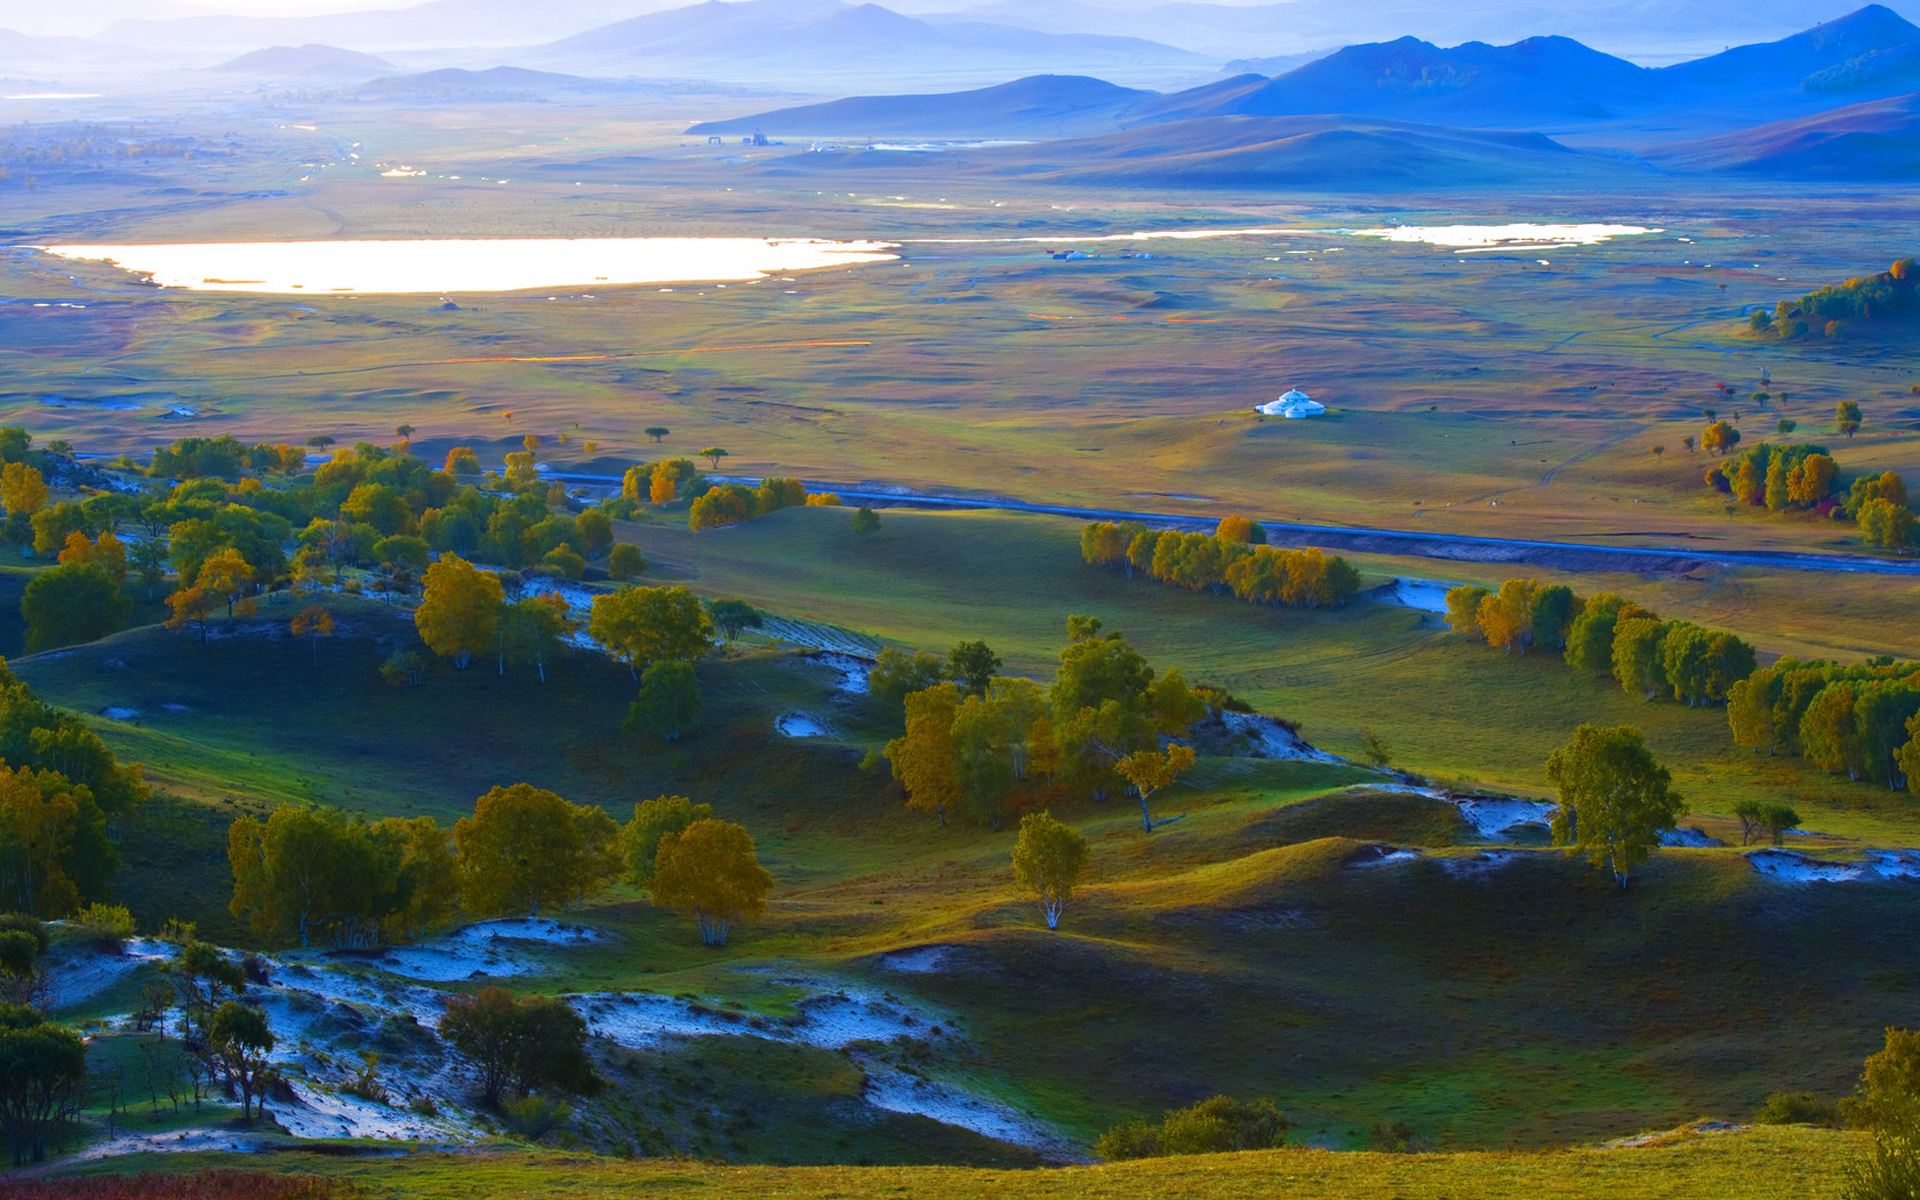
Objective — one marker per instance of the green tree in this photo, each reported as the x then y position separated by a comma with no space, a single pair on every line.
533,629
1846,418
645,625
68,605
525,848
1886,1103
520,1044
239,1037
42,1070
657,432
734,617
652,820
1615,799
625,561
866,522
1637,658
1049,857
710,869
1217,1125
668,701
924,758
713,455
897,674
972,665
595,531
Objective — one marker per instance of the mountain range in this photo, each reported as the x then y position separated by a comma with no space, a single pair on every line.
1551,83
1832,102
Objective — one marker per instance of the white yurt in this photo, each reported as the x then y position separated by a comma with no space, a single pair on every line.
1295,405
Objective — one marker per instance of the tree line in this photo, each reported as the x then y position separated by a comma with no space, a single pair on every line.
1891,293
313,873
1804,477
1234,558
984,748
1861,720
1605,635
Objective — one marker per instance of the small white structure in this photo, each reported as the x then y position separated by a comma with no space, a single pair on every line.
1296,405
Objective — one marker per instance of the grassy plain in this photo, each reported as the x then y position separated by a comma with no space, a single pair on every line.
1750,1165
1485,393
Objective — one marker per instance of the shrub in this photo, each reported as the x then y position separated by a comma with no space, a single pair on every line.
534,1117
1795,1108
625,561
1214,1126
109,923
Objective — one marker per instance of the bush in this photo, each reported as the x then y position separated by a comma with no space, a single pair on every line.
31,926
1795,1108
534,1117
625,561
183,1185
108,923
1214,1126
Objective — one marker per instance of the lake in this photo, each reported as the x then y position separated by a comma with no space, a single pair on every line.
463,265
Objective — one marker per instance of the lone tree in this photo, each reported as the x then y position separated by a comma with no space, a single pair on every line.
1151,770
1615,799
652,820
709,869
657,433
734,617
1846,418
239,1038
713,455
1049,857
866,522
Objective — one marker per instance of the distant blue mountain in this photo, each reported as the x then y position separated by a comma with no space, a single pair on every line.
1037,106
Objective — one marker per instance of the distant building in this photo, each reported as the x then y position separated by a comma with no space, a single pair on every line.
1296,405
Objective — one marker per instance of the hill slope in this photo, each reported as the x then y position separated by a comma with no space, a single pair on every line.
1879,139
1038,106
310,61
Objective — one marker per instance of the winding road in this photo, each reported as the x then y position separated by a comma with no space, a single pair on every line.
1565,556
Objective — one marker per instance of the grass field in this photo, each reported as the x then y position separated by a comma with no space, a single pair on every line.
1750,1165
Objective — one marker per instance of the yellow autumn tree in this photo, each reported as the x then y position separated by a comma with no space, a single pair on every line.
225,575
23,490
924,758
525,848
313,622
1150,771
459,609
709,869
1506,616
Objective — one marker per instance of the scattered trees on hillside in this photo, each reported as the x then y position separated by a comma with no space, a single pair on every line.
1232,559
1756,817
1049,857
1615,799
732,503
239,1038
709,869
652,820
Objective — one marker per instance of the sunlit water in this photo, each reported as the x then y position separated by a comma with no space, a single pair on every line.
471,265
1469,239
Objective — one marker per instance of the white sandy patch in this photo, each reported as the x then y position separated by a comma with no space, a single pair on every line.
1498,818
893,1090
1689,837
1790,867
174,1141
1368,857
1481,238
1421,595
1145,235
319,1112
920,960
831,1021
855,672
81,972
1268,738
1480,865
469,264
488,948
800,725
